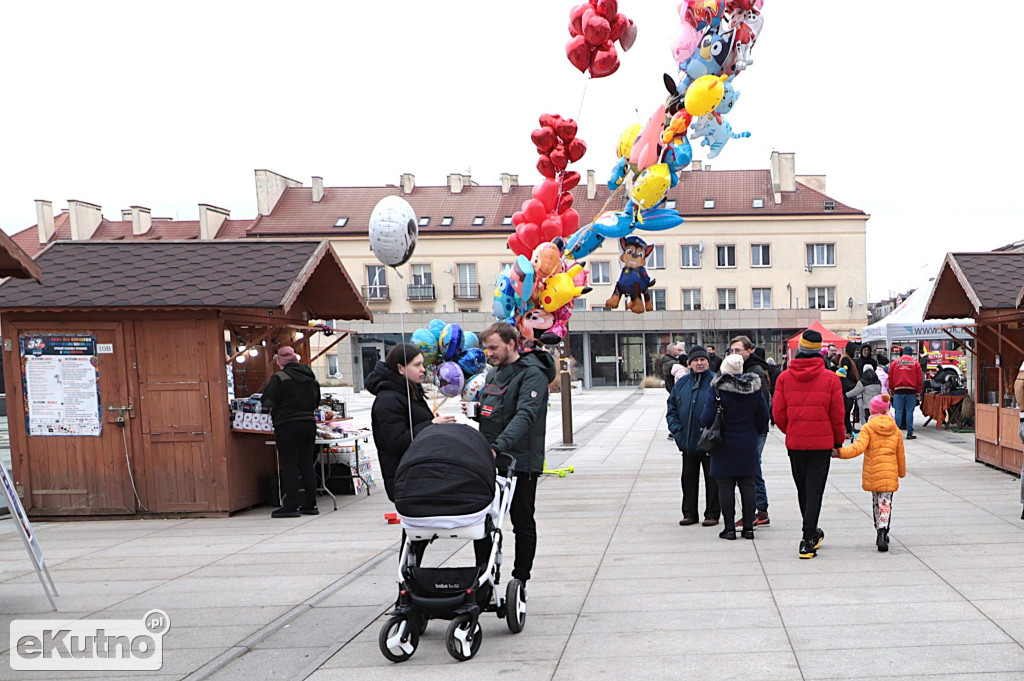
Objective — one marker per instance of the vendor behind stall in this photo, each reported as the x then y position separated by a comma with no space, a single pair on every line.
293,395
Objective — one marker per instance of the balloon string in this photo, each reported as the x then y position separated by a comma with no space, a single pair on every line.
579,111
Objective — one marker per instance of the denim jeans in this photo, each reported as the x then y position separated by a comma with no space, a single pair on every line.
760,490
904,405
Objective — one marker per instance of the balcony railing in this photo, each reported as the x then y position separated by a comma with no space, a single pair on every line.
466,291
420,292
376,294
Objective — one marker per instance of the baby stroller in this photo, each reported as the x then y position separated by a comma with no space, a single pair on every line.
448,485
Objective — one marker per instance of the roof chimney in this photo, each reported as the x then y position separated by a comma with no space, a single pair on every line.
457,181
210,220
591,184
318,189
126,215
44,220
508,181
783,168
85,218
141,219
695,165
408,183
269,188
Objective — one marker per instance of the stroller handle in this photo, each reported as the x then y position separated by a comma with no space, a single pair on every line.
505,462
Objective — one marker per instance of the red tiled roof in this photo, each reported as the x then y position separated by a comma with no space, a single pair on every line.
733,191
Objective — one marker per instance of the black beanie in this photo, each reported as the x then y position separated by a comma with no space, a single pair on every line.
697,352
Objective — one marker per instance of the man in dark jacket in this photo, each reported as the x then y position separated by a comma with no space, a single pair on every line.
752,364
809,408
714,361
669,360
513,417
292,395
685,404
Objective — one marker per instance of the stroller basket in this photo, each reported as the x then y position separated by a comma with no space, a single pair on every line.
442,581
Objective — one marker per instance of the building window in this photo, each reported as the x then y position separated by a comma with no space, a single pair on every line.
446,221
332,366
821,298
658,296
341,222
726,255
761,255
579,304
709,204
424,221
421,275
600,273
506,221
691,298
761,298
422,286
821,255
376,283
726,299
656,260
757,203
690,256
478,220
670,204
467,287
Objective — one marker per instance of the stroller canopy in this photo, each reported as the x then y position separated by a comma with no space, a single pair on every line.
448,470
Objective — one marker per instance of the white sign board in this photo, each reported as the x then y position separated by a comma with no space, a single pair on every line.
61,385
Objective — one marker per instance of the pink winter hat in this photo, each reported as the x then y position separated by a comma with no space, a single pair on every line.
880,404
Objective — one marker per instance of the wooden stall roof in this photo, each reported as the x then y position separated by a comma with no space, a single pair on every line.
15,262
247,273
971,282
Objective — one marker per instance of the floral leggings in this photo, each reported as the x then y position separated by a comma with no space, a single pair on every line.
881,503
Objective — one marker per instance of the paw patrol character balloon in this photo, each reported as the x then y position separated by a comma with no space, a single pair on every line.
393,230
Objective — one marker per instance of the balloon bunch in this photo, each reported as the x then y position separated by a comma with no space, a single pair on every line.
595,26
537,294
451,355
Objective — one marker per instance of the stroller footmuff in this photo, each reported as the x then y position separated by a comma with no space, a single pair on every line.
449,485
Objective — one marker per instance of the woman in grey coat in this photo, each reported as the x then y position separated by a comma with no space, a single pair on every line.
867,388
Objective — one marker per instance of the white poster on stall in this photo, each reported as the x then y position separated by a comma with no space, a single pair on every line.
61,385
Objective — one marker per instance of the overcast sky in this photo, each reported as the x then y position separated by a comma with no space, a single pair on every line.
169,105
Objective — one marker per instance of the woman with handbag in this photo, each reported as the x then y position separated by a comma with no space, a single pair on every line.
685,404
744,418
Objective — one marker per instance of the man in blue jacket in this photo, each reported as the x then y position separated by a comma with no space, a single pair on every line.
685,404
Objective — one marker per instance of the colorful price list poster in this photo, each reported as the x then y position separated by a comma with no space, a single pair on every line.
61,384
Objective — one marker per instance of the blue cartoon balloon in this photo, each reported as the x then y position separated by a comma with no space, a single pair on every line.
426,341
437,326
472,361
583,242
469,340
450,341
504,305
522,282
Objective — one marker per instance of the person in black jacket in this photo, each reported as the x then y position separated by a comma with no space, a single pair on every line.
754,364
684,407
513,417
292,395
849,381
399,410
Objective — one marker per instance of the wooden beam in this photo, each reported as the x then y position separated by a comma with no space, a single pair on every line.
246,349
331,345
997,328
960,341
975,337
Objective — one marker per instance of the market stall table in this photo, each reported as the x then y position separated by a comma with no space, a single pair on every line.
323,451
935,406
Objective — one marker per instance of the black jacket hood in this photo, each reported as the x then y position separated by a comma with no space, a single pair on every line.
382,379
299,372
543,361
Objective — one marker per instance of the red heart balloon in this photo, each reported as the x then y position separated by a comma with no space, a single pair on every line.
549,120
547,193
544,138
578,52
530,236
518,218
516,245
619,26
551,228
534,211
608,8
576,19
559,159
564,202
605,61
566,130
596,28
570,222
569,180
545,167
576,149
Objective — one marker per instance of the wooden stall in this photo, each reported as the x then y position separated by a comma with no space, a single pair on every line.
987,287
119,368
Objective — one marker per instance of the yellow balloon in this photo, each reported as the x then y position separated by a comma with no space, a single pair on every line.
652,186
627,138
704,94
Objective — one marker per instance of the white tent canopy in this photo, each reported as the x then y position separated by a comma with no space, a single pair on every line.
906,322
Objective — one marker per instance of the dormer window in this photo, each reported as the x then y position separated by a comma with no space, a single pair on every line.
670,204
829,205
424,221
757,203
341,222
709,203
478,220
446,221
507,220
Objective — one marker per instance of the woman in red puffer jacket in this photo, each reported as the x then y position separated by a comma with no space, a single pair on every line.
809,407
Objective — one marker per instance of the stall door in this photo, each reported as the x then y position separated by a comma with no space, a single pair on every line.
72,474
175,414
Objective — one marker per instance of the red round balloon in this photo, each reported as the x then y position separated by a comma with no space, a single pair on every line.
517,246
547,193
551,228
534,211
596,28
570,222
517,218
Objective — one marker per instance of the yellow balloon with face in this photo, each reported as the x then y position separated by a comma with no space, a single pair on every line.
704,94
652,185
626,140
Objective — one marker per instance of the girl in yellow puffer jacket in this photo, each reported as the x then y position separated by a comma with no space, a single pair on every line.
881,443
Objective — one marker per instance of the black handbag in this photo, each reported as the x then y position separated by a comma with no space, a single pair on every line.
711,437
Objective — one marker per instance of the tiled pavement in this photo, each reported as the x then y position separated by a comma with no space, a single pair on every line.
620,591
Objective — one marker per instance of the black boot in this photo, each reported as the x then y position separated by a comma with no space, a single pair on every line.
883,540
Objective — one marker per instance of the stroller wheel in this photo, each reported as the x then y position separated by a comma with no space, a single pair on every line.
515,606
398,638
464,637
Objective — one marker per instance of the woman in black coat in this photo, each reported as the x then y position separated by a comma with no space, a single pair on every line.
399,411
744,420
